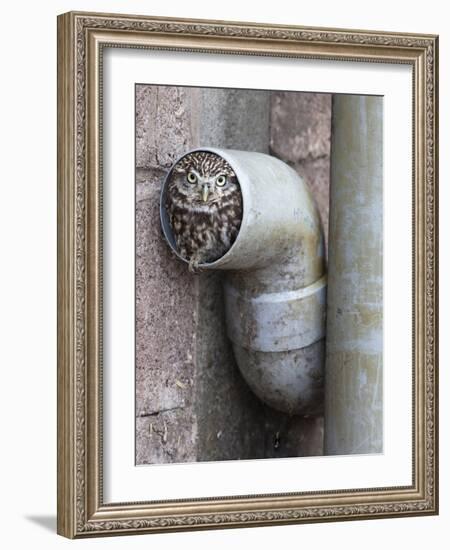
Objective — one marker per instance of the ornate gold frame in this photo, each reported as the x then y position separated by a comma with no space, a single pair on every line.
81,37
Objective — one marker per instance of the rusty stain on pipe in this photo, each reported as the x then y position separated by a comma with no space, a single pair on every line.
275,285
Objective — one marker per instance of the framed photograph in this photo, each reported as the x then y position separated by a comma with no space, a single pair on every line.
247,274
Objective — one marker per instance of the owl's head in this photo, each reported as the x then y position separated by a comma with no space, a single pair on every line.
203,178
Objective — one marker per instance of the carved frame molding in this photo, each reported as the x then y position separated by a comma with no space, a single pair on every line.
81,37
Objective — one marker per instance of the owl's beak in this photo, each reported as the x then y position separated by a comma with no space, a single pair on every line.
205,192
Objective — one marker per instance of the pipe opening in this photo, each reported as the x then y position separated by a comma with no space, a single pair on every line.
202,207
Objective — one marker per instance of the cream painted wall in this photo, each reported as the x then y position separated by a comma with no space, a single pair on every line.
28,282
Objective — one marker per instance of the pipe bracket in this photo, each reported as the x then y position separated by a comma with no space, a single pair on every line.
279,321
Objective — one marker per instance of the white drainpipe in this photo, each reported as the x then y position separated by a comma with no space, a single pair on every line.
275,285
354,358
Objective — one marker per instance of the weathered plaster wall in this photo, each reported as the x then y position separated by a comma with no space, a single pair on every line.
165,341
191,401
300,135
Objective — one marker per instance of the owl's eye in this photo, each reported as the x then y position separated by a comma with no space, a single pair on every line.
221,181
191,177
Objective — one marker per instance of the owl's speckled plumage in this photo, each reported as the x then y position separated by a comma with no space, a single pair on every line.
204,205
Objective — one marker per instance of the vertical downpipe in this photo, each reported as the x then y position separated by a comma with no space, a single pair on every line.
354,342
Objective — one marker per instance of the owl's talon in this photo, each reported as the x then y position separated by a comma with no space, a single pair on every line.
193,266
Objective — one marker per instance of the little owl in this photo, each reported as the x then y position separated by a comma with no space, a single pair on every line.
204,206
